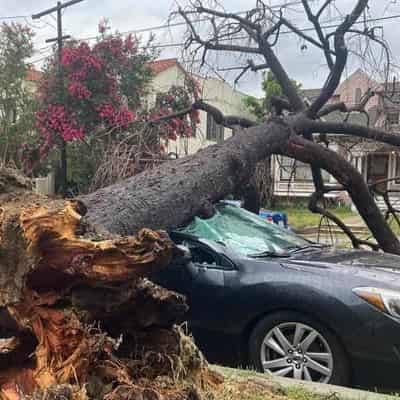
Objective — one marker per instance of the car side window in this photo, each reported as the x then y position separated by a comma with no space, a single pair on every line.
203,256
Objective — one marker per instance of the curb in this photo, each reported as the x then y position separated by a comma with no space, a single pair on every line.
279,384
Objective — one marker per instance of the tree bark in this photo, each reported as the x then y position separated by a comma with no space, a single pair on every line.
170,195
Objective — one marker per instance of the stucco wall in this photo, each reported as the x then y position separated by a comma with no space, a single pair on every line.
347,89
214,91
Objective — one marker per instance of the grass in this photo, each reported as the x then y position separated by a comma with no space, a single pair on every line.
247,384
249,389
302,217
240,384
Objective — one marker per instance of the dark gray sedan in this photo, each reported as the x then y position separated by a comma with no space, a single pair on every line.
263,296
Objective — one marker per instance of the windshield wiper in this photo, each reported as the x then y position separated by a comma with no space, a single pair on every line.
268,254
307,246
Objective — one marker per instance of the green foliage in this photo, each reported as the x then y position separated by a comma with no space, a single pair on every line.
271,87
255,106
17,103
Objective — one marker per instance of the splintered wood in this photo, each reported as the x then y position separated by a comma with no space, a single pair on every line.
78,317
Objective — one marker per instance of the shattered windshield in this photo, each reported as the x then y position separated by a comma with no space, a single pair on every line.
244,232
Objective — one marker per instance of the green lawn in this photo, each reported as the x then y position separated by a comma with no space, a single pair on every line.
302,217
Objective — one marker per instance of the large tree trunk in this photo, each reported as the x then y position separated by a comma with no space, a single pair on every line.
60,275
68,291
170,195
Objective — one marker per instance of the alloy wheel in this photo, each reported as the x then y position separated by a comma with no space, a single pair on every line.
296,350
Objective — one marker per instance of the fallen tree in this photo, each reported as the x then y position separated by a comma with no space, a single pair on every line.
211,174
171,194
78,317
70,286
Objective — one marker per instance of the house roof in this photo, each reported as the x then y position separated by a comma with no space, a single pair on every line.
33,75
310,94
159,66
352,118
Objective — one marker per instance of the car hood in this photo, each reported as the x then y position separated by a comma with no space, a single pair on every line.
369,264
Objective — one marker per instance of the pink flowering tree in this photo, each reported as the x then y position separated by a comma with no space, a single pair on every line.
170,103
100,105
102,87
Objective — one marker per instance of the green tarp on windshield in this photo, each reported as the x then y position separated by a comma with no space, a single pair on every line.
243,231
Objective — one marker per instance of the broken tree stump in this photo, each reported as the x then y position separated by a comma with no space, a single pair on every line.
78,317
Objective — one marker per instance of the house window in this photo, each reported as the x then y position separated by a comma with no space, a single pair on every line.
357,96
286,168
393,118
215,132
297,171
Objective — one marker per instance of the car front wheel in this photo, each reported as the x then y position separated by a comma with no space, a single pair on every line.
292,345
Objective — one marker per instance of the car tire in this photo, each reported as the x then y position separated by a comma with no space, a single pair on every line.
265,329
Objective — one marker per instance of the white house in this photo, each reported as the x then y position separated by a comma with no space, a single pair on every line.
169,72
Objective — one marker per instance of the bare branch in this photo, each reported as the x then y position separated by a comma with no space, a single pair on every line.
342,107
208,45
321,10
314,19
341,58
280,104
306,37
315,208
243,21
228,121
281,76
347,175
344,128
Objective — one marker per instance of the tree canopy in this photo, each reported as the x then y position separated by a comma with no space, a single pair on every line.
16,97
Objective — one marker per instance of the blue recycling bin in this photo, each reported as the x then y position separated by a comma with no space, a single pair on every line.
277,218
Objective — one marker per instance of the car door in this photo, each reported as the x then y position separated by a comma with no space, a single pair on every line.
208,291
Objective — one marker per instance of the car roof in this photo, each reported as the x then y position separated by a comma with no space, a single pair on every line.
221,248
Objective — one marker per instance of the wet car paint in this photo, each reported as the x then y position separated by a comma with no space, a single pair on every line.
228,298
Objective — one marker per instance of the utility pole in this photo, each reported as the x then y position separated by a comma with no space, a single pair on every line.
60,39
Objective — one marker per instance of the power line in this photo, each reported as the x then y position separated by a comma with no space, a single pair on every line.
156,27
150,29
179,44
15,17
173,45
165,26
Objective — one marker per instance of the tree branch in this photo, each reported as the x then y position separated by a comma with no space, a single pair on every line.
344,128
341,51
280,104
220,14
343,107
321,10
315,208
307,38
314,154
215,46
281,76
314,19
228,121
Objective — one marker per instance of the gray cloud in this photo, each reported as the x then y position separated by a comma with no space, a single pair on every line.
81,20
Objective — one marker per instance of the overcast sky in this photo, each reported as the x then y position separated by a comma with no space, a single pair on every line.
306,66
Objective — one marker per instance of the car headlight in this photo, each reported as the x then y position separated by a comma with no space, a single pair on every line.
386,300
